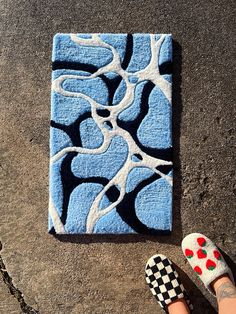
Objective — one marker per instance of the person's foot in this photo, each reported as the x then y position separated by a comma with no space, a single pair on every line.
223,287
225,292
206,260
165,285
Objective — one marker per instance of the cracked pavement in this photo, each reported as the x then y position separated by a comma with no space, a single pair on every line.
105,274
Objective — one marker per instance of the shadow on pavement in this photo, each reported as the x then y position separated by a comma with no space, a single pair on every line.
200,303
229,262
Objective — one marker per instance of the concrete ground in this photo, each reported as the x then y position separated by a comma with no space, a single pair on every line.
105,275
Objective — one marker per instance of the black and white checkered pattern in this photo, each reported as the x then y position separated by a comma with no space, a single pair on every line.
164,281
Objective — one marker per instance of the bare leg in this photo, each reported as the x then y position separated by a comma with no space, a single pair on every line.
226,294
178,307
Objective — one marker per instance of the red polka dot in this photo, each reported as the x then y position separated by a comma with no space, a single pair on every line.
217,255
201,253
201,241
210,265
198,270
188,253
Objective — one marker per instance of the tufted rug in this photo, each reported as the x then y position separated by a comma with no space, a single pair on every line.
110,136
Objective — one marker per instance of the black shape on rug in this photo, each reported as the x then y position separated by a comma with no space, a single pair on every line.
73,129
126,208
165,68
132,126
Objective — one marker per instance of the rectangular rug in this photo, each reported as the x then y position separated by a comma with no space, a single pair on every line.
110,136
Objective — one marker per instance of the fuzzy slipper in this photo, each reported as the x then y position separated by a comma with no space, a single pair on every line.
164,282
205,259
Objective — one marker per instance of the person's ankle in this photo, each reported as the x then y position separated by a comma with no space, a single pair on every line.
178,306
223,279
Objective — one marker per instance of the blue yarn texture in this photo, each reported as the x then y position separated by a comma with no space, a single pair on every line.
110,135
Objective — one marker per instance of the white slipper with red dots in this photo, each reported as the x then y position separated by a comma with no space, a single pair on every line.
205,259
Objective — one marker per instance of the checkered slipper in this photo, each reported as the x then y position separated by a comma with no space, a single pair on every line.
164,282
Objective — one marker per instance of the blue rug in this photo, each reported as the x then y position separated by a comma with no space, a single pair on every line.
110,138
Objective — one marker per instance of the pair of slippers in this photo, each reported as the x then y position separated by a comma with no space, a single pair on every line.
203,256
